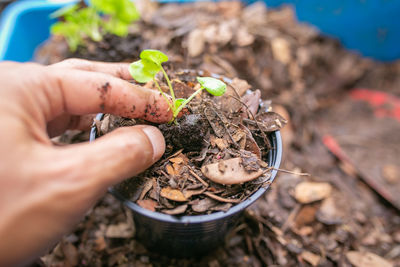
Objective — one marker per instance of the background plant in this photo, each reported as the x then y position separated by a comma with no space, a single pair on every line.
101,17
150,63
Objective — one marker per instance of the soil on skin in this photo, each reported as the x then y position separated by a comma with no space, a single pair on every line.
211,130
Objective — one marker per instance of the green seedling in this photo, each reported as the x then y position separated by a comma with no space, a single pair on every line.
94,21
120,15
150,63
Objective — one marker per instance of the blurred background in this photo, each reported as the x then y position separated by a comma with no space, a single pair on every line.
330,68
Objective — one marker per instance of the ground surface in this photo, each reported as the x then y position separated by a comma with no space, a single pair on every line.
336,216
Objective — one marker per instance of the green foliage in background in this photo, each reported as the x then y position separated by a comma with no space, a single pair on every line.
101,17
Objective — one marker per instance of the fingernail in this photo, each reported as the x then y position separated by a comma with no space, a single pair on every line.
157,140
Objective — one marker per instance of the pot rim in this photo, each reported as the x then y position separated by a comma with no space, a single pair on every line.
193,219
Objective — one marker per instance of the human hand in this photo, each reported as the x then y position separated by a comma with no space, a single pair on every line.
46,189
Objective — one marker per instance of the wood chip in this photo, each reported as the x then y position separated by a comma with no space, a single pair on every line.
121,230
281,50
196,43
307,192
234,172
391,173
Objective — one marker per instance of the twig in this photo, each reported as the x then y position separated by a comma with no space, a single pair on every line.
266,140
221,199
226,128
197,177
291,172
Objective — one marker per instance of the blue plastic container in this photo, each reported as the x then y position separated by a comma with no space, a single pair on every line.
370,27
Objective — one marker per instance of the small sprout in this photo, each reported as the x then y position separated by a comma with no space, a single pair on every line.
150,63
213,86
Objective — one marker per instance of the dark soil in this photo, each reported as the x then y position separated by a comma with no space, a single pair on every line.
189,134
308,77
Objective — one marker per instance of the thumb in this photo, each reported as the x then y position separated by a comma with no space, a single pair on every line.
119,155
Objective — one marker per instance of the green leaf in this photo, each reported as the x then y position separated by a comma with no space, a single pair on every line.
178,103
67,10
213,86
124,10
71,33
117,27
143,70
155,56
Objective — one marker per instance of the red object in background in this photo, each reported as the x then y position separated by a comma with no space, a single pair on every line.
384,105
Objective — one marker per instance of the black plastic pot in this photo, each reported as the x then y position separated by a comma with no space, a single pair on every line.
188,236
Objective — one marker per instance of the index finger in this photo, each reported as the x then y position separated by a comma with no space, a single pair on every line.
79,92
119,70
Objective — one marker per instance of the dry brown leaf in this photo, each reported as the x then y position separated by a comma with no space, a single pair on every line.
252,102
202,205
147,204
146,188
234,172
177,160
241,86
307,192
170,170
251,144
270,121
173,194
175,211
189,193
366,259
221,143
